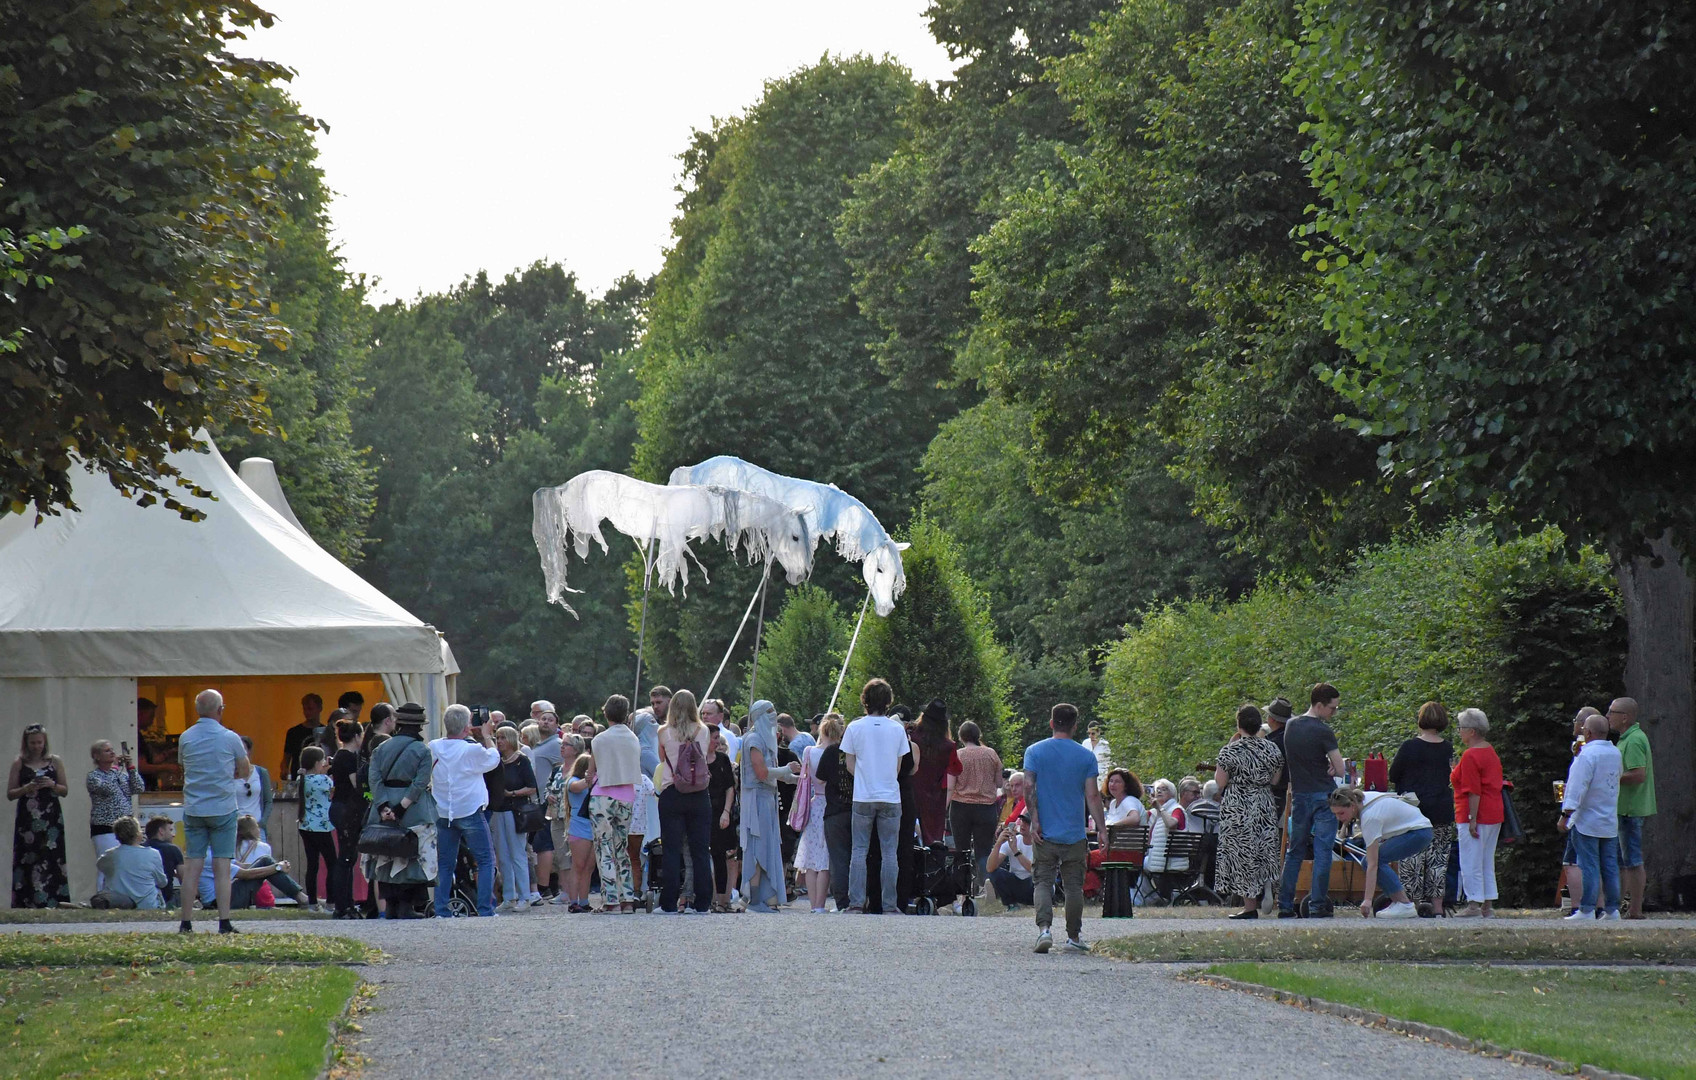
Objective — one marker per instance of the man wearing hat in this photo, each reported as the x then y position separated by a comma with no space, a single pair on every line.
400,795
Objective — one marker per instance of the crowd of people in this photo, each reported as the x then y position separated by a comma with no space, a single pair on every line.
674,806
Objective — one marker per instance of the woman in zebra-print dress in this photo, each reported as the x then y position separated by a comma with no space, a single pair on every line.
1248,768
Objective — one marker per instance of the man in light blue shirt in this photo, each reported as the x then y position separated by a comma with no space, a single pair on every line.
1591,810
213,760
1060,787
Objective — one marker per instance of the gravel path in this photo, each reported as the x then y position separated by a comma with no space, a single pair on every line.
834,995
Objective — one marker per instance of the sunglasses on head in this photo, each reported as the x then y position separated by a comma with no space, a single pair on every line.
34,729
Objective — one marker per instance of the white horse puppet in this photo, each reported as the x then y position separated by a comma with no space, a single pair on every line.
829,512
669,517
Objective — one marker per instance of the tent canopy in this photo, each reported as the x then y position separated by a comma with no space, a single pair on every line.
120,590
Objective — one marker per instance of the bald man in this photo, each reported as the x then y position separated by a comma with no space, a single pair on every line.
1636,798
213,759
1590,811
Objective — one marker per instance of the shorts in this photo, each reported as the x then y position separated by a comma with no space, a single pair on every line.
1569,857
542,839
217,833
1630,841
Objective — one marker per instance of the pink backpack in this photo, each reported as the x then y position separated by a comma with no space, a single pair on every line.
689,773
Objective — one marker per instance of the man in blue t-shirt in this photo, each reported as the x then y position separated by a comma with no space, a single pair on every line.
1060,785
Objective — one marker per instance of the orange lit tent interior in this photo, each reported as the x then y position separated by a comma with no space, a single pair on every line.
114,602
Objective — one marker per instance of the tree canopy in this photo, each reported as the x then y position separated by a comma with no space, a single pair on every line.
137,123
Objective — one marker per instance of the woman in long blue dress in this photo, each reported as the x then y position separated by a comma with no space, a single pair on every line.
762,837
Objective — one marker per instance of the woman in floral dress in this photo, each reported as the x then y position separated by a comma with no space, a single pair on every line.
1247,772
36,782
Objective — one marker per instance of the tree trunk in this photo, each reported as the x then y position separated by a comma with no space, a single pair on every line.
1660,672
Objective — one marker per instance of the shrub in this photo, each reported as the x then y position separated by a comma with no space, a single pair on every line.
1452,617
802,652
939,642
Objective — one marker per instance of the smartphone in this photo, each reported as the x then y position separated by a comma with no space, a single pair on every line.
125,747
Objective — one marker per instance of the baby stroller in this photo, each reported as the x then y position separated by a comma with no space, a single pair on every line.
463,900
651,892
942,877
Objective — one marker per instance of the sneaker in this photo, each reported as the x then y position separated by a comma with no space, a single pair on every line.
1404,910
1044,941
1283,914
559,899
1612,916
1578,918
1077,944
505,906
958,907
1013,907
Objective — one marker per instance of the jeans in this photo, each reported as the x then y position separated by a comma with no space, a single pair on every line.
1395,849
473,831
1310,820
685,819
839,840
1478,861
1012,889
1070,860
974,827
1598,861
243,891
885,817
511,856
1630,842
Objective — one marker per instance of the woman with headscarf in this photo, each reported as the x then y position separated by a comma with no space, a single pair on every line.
761,834
938,761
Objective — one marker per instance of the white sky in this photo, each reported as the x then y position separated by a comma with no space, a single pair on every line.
490,133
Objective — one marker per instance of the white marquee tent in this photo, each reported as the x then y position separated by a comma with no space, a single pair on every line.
98,602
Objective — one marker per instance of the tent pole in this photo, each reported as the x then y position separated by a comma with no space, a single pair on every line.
642,634
855,640
749,610
759,629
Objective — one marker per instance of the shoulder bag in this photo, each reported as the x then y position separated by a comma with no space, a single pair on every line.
388,841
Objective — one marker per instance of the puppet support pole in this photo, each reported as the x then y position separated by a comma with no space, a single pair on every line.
759,592
855,640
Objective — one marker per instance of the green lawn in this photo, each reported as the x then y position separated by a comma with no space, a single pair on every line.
1634,1020
220,1020
61,950
12,916
1362,940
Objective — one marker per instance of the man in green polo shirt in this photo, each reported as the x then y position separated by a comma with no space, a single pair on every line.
1636,797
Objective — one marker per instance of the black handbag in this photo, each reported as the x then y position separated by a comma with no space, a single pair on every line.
388,841
385,840
529,818
1512,831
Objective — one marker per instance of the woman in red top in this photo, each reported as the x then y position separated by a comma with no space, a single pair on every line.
938,760
1477,783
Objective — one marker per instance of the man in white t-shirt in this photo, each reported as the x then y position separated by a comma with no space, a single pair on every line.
1010,865
872,748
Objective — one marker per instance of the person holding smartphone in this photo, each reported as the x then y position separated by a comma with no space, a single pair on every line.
112,783
1010,864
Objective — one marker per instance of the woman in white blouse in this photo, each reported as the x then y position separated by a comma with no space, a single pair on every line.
1123,798
1392,830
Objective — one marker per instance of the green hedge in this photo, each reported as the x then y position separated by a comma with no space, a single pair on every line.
939,642
1513,629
